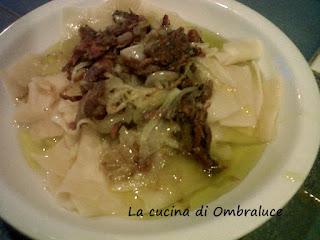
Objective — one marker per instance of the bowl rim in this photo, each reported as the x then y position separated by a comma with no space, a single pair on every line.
294,58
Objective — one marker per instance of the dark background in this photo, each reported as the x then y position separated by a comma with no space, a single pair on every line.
300,20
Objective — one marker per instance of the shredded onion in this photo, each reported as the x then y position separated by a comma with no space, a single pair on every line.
161,79
134,52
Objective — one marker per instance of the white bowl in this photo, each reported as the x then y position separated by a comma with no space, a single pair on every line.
25,205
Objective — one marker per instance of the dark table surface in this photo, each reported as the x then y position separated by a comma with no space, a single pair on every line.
300,20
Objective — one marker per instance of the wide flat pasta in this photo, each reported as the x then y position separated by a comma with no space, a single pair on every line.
43,93
248,94
85,182
18,76
58,159
212,69
45,128
238,51
223,104
266,128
